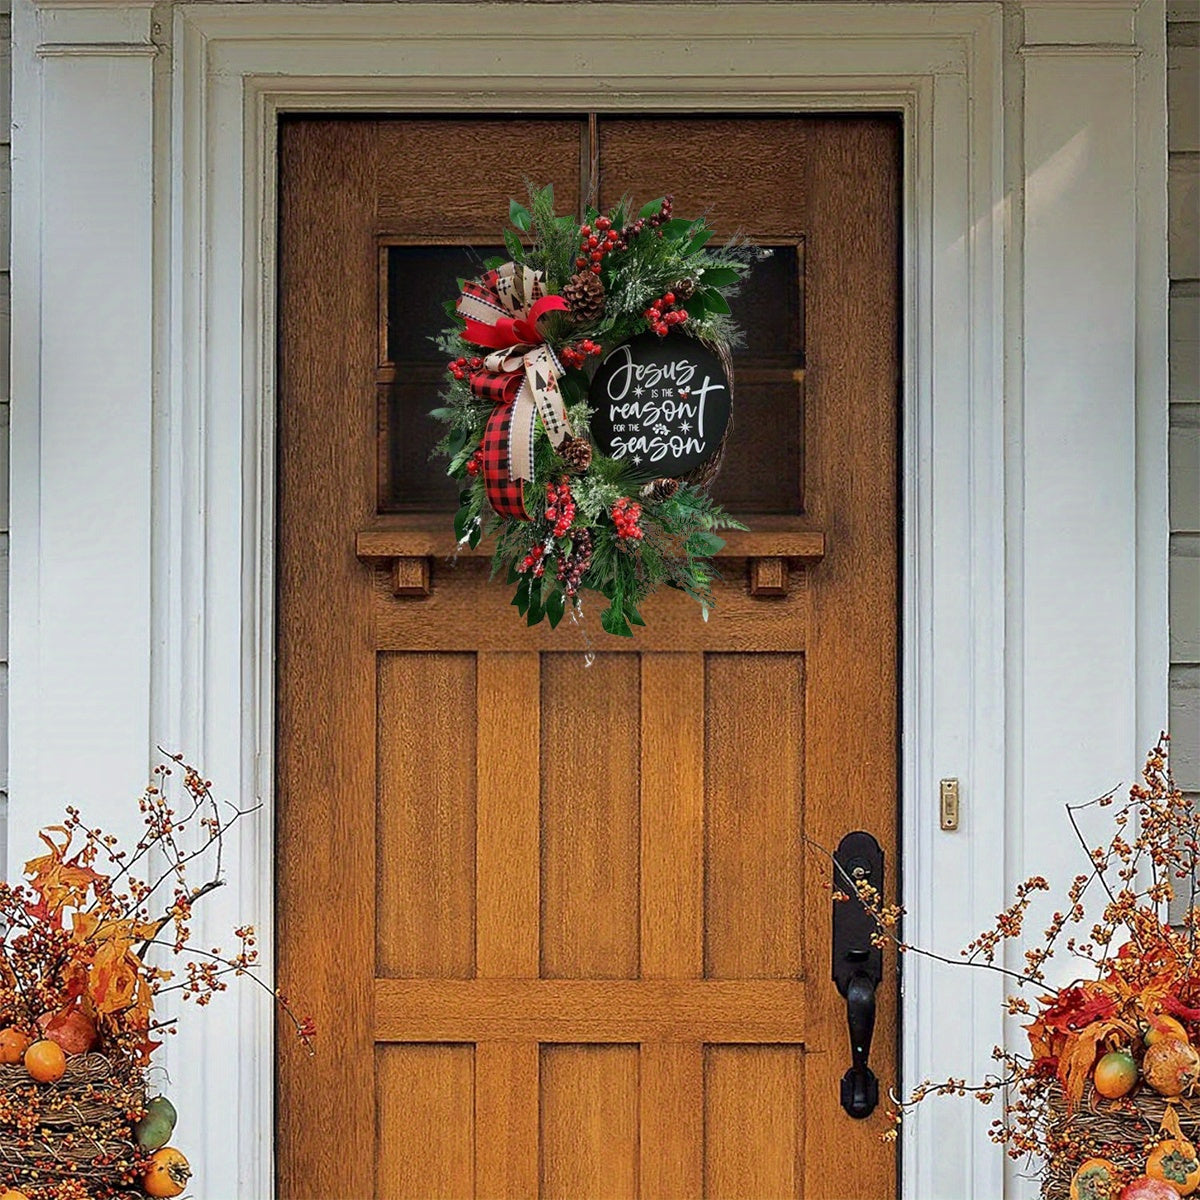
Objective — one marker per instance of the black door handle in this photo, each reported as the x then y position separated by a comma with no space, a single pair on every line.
857,962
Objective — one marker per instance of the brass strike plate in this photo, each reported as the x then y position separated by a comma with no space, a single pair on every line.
949,795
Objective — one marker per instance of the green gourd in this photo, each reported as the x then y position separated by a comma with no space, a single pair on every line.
154,1129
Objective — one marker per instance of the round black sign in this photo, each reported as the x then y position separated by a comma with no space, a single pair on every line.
661,404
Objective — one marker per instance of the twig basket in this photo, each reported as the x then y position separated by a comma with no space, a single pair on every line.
75,1129
1114,1129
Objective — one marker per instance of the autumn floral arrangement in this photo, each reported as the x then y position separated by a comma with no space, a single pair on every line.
1104,1104
88,944
639,301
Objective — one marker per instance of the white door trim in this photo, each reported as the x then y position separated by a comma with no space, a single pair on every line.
972,708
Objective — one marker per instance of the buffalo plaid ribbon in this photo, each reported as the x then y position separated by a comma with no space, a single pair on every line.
520,377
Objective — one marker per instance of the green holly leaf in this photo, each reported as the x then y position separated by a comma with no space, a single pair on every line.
536,608
512,244
652,207
492,263
456,439
714,301
476,534
518,214
635,617
700,239
720,276
521,599
677,227
612,620
450,308
555,607
460,521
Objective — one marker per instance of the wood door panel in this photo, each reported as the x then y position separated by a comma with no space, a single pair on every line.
754,834
553,912
589,854
446,178
748,174
753,1122
425,1148
426,798
589,1122
739,621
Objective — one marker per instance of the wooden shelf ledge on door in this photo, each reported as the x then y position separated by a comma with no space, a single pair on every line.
408,544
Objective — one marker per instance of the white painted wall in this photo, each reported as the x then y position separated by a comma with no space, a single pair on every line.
1183,103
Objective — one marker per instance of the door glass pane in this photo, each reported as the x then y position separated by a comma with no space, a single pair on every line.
417,281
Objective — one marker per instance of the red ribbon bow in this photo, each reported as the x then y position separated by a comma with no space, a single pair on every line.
520,377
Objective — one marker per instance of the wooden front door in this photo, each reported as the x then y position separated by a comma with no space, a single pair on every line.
554,914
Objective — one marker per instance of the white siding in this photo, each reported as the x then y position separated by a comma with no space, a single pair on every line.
1183,100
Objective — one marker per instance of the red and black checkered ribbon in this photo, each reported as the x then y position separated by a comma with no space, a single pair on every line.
505,494
520,377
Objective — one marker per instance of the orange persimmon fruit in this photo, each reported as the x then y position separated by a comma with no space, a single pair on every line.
1174,1161
1095,1179
45,1061
13,1044
167,1173
1115,1074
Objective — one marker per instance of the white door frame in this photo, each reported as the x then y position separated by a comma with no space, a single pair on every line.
1034,611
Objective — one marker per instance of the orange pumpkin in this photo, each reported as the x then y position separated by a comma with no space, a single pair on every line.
13,1044
167,1173
1174,1161
1095,1179
45,1061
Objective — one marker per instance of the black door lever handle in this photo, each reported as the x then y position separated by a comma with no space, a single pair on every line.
860,1088
857,963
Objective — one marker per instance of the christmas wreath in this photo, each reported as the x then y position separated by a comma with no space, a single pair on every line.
588,404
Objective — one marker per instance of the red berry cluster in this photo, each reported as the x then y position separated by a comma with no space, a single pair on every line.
593,246
625,514
575,356
475,463
655,222
662,314
534,559
571,569
560,506
458,367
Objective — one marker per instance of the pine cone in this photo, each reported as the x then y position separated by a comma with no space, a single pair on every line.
660,489
684,289
576,453
584,293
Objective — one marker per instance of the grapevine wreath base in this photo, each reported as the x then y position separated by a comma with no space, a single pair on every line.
1117,1131
621,323
74,1132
